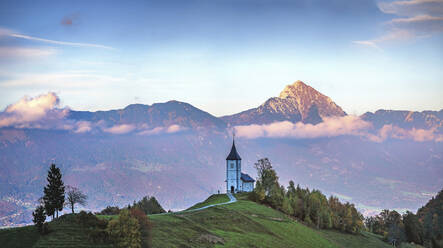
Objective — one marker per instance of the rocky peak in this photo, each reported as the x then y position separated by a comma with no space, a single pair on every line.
303,97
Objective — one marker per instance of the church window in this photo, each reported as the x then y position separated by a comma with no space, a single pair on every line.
232,165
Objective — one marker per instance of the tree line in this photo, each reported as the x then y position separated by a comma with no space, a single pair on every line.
311,207
423,228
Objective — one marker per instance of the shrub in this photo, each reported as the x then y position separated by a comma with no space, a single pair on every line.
124,231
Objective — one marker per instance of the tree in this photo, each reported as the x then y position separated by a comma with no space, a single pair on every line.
145,226
54,192
149,205
75,196
413,228
124,231
39,218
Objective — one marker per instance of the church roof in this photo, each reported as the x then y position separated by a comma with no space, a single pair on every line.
233,155
246,178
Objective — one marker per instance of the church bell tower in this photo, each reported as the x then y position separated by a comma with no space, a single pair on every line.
233,171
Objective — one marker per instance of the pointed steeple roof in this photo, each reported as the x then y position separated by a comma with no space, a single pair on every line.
233,155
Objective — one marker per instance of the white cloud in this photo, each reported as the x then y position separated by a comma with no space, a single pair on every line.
419,135
332,127
160,130
120,129
83,127
34,112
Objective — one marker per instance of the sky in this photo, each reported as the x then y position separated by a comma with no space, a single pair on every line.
223,56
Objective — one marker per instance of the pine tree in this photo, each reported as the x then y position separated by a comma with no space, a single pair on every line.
39,218
54,192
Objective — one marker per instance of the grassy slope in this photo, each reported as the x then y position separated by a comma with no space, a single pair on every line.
64,233
213,199
240,224
247,224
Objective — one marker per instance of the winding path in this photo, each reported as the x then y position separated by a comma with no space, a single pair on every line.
232,199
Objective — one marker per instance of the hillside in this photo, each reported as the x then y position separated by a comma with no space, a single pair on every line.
240,224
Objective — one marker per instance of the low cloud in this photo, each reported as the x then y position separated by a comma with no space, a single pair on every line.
83,127
161,130
419,135
120,129
35,112
332,127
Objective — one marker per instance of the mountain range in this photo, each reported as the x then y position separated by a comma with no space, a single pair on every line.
175,151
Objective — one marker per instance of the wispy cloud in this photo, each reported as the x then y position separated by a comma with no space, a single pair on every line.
413,19
22,52
10,33
68,79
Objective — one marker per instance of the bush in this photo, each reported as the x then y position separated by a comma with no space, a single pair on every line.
125,231
90,220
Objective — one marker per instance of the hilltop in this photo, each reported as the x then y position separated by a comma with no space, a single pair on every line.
240,224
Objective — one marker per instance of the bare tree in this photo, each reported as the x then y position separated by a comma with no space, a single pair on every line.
75,196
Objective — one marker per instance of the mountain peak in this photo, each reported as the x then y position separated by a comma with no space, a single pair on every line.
294,90
303,97
297,102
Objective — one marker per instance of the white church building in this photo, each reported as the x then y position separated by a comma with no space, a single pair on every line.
236,181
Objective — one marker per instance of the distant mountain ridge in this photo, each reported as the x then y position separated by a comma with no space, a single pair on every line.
406,119
297,102
155,115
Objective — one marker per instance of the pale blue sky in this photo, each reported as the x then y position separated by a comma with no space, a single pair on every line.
223,56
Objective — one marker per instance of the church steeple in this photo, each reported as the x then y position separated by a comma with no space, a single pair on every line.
233,155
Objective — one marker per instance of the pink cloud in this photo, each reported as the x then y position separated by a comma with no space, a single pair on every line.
83,127
337,126
35,112
330,127
120,129
419,135
159,130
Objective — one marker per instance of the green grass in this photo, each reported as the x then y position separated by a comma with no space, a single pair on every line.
64,233
213,199
363,240
240,224
19,237
247,224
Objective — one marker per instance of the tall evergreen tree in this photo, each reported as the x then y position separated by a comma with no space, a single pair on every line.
54,192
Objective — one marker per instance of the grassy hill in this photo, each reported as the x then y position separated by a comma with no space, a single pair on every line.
240,224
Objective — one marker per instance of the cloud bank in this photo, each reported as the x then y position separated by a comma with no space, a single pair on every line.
332,127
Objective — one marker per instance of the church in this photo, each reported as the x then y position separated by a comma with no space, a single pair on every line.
236,181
